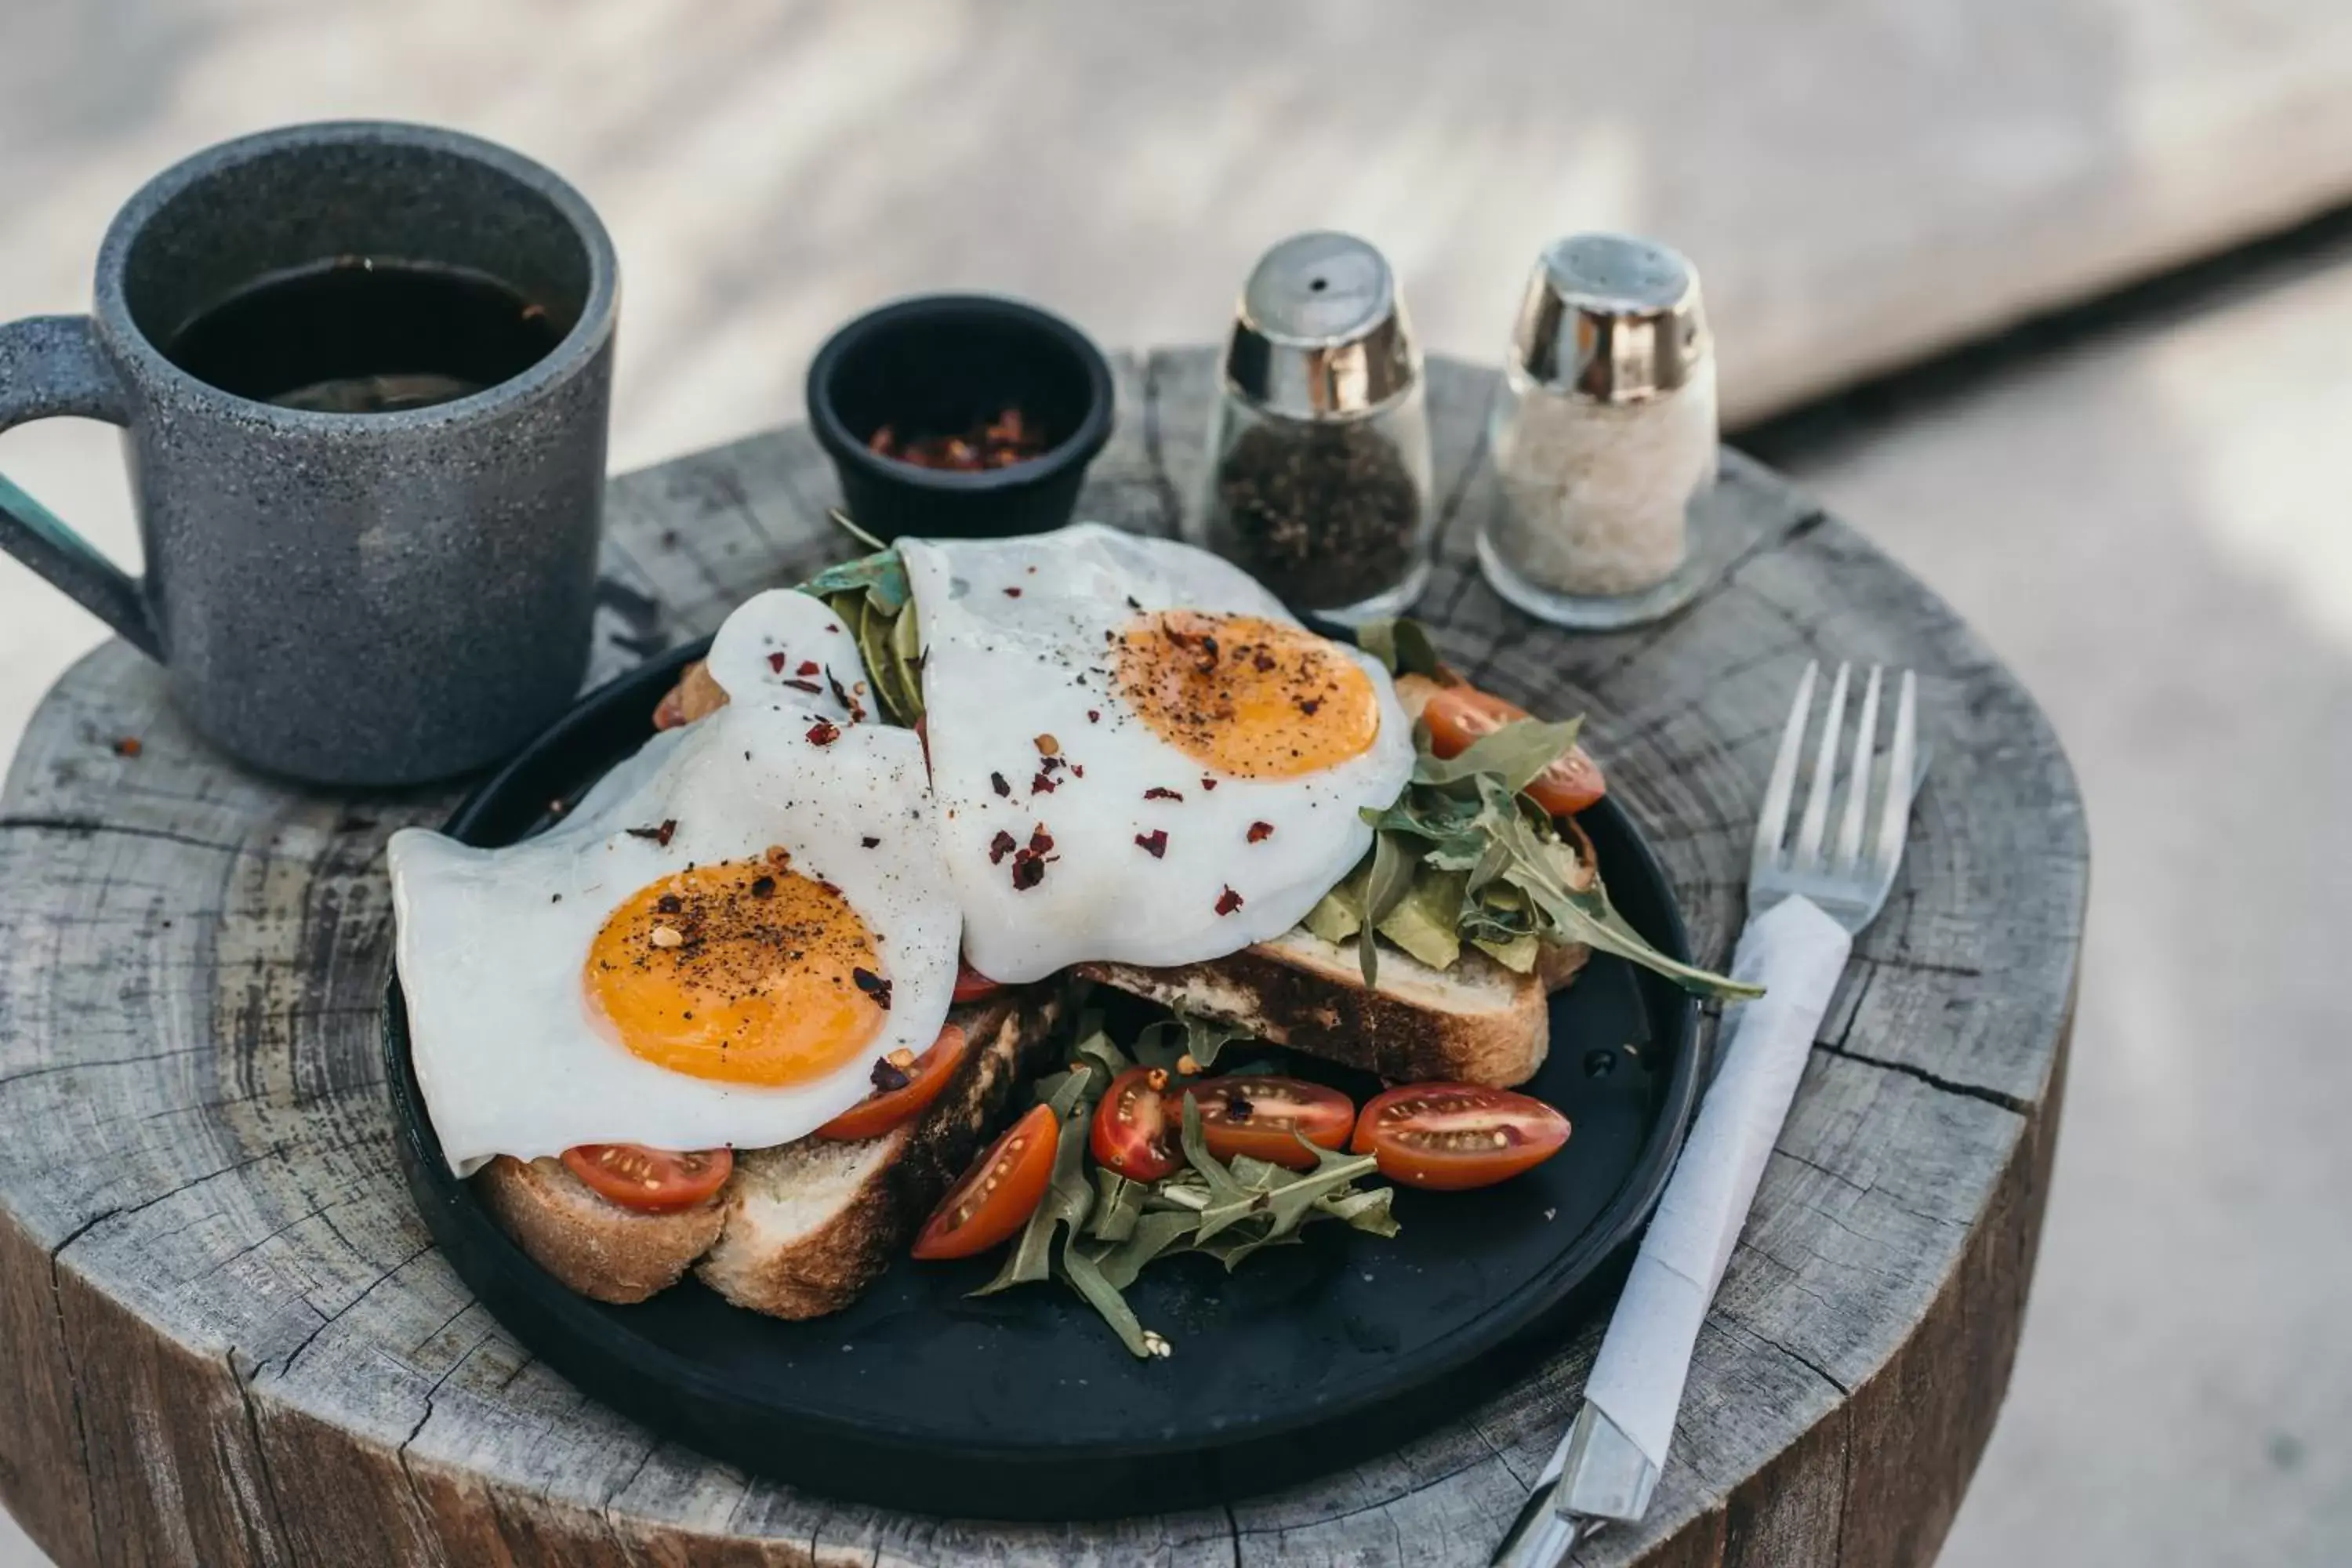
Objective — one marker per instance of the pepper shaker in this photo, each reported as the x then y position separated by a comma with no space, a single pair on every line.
1318,478
1604,438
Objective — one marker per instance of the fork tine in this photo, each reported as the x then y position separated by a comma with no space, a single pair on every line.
1857,789
1772,822
1808,852
1895,817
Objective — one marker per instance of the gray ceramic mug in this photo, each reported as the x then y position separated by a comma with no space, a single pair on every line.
349,598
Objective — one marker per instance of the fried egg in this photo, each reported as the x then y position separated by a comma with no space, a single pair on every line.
1137,754
713,948
789,647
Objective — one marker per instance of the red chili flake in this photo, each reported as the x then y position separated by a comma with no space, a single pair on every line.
1208,783
1262,660
831,628
1011,593
1043,783
776,663
803,686
857,709
763,887
807,666
1028,870
828,886
874,985
1001,846
1228,902
889,1076
869,841
996,782
1160,792
660,836
1093,716
128,746
1307,705
1260,831
670,903
1154,843
823,732
1080,769
1039,841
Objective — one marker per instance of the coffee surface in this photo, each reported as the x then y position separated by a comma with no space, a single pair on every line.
365,335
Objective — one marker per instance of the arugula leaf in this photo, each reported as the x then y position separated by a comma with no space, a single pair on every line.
881,576
1518,754
1391,880
1541,868
1402,646
1119,1204
1153,1235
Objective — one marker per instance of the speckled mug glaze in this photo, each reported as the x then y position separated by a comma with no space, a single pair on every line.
342,598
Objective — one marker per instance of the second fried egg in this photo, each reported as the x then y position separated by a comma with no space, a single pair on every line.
1137,754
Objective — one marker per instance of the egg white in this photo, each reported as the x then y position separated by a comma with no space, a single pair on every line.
1015,638
762,647
492,942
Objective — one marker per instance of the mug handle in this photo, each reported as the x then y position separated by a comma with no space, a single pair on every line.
53,367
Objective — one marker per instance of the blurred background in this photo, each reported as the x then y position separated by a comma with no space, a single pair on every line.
2139,500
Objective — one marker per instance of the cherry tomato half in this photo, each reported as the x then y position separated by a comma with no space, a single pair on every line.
1458,715
1450,1136
998,1194
652,1179
1259,1115
971,985
886,1107
1135,1131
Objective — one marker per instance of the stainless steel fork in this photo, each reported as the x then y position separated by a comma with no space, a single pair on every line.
1599,1474
1847,881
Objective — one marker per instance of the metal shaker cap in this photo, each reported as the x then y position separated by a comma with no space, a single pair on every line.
1320,332
1612,317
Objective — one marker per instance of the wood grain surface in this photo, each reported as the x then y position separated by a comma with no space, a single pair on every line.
225,1339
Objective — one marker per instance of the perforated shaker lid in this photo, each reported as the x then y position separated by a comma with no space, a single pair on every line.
1320,332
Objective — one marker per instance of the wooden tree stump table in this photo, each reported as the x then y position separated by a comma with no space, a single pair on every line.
225,1340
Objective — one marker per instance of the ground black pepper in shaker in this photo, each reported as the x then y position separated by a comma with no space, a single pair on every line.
1318,482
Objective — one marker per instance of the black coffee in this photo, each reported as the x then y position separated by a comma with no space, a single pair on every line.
360,336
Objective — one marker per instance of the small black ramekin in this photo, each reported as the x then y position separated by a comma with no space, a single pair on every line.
946,362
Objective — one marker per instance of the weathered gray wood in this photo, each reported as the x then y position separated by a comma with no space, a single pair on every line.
225,1340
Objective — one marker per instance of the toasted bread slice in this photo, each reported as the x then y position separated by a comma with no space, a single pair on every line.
809,1225
797,1231
601,1249
1475,1023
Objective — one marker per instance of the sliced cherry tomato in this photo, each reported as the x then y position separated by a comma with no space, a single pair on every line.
1135,1131
998,1194
653,1179
1450,1136
1260,1114
971,985
1458,715
886,1107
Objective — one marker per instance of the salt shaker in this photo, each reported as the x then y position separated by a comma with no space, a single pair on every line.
1604,438
1319,479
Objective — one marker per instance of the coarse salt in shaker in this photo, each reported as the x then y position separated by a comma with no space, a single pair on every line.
1318,478
1604,438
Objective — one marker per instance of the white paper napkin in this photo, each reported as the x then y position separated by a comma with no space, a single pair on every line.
1795,952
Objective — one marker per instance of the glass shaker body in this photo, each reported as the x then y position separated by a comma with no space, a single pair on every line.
1332,514
1604,438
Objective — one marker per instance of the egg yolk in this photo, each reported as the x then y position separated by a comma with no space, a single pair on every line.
1246,696
741,971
